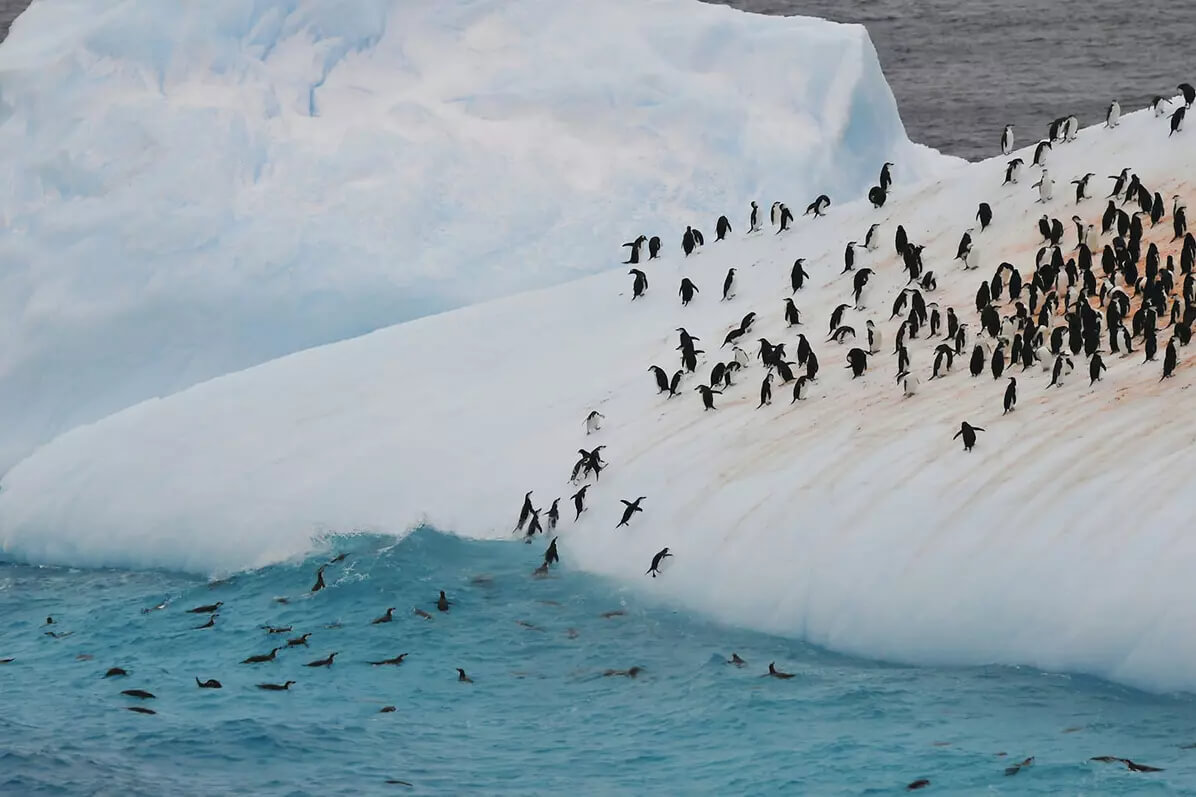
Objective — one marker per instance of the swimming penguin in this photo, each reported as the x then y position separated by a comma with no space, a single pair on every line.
1113,114
550,555
319,585
721,228
886,177
210,608
211,622
1013,170
631,507
261,658
639,284
729,286
1170,357
654,247
818,206
114,672
1177,121
1040,153
798,276
969,435
579,501
276,687
442,602
1010,395
857,361
325,662
1082,187
984,215
594,421
297,641
792,316
738,662
765,391
635,245
211,683
462,677
773,672
687,291
385,618
396,661
877,196
1007,140
1045,186
754,218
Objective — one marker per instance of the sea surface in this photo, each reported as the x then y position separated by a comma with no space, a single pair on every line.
963,69
540,716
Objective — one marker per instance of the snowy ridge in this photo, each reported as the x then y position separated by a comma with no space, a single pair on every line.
851,519
194,191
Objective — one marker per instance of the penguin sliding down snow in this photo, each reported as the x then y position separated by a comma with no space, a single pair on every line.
639,285
721,228
630,508
1007,140
968,432
729,286
1010,395
688,289
818,206
594,421
654,569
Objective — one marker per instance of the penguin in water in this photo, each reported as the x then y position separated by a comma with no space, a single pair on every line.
442,602
798,275
1082,187
639,285
319,585
654,247
1010,395
792,316
818,206
1045,186
1007,140
687,291
968,432
1177,121
654,568
765,391
708,394
729,286
721,228
754,218
1113,114
550,555
579,501
594,421
554,514
984,215
636,246
1013,170
630,508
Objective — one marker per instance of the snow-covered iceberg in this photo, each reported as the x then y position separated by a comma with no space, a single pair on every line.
851,518
191,189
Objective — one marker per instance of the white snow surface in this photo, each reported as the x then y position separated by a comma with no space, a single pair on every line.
195,188
851,519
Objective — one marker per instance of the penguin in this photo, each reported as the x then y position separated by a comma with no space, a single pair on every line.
1159,106
797,276
630,508
786,218
662,381
773,672
965,245
877,196
639,284
800,388
462,677
554,514
840,334
325,662
998,360
858,283
210,623
968,432
1040,153
654,568
901,240
1013,170
849,257
688,241
729,286
1082,187
211,683
1189,93
944,358
525,511
812,366
818,206
792,316
886,177
550,555
857,361
442,602
387,617
776,214
765,390
1113,114
1010,396
909,384
1170,358
635,245
210,608
1057,372
654,247
1179,222
1157,209
738,662
984,215
1177,121
742,359
1095,366
837,316
873,337
708,394
299,640
594,421
319,585
721,228
675,382
871,241
1007,140
115,672
754,218
261,658
687,291
396,661
976,365
579,501
277,687
1071,128
1045,186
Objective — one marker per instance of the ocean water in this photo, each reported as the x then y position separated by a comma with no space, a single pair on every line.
540,717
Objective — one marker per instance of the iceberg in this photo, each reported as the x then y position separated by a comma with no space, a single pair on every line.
851,518
192,190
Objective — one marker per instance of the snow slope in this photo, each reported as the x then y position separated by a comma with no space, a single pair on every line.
191,190
851,519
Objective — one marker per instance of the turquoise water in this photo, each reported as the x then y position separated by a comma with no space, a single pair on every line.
540,717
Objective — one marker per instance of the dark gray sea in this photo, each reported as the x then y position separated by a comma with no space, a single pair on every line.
963,69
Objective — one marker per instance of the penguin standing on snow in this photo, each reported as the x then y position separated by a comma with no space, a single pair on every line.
873,337
1095,366
798,276
754,218
1189,93
886,177
729,286
1045,186
1082,187
968,432
984,215
871,241
765,391
688,241
721,228
1007,140
849,258
1177,121
639,285
965,245
654,568
877,196
857,361
1159,106
1113,114
635,245
654,247
1170,358
1010,395
818,206
786,218
1013,170
594,421
800,388
708,394
792,316
688,289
